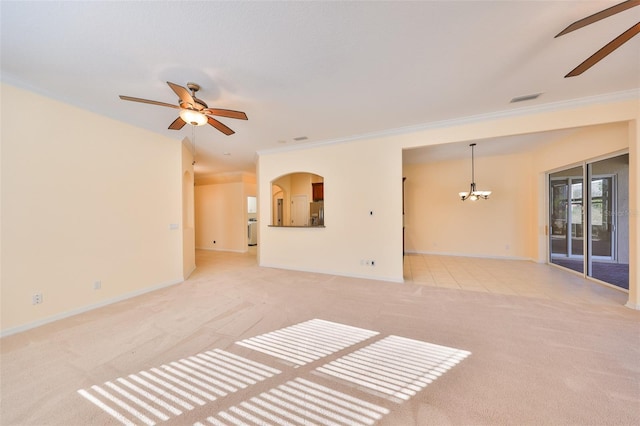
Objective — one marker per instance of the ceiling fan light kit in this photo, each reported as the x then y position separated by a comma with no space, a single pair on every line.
473,194
193,111
195,118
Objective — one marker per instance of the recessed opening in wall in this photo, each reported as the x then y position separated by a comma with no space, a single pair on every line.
297,200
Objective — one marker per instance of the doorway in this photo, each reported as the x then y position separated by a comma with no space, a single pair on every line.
589,224
299,210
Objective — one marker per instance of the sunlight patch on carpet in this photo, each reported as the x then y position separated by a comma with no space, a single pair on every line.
160,393
395,367
383,371
308,341
299,402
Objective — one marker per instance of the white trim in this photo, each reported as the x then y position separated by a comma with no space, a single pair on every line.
595,159
604,283
216,249
73,312
340,274
479,256
549,107
588,277
632,306
190,272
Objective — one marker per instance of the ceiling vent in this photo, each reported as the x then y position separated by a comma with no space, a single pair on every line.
300,138
525,98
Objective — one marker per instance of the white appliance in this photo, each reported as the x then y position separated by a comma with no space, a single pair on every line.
252,231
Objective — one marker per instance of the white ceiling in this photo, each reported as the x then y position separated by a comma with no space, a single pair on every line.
505,145
325,70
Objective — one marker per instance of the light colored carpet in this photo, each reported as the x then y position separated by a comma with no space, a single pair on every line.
520,344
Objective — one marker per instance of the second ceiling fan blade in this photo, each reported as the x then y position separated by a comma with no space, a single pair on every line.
218,125
620,7
225,113
606,50
147,101
183,94
177,124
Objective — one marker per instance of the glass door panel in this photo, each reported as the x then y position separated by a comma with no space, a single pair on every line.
566,229
558,228
602,215
609,217
577,227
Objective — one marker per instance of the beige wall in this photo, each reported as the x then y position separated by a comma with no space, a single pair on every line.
634,213
365,174
84,199
587,143
436,221
359,177
221,212
505,226
188,215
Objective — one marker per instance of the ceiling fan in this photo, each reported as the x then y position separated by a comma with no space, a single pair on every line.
193,110
609,47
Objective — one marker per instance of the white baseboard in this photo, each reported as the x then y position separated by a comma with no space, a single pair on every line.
189,273
479,256
632,306
225,250
67,314
328,272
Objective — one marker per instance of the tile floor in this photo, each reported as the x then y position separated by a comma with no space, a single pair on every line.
511,277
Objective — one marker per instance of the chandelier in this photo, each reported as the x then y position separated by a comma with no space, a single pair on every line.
473,194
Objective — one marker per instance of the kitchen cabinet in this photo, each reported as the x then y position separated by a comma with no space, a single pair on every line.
317,191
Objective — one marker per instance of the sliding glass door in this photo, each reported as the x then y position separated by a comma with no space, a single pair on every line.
589,224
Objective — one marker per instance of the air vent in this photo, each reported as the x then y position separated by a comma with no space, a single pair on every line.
300,138
525,98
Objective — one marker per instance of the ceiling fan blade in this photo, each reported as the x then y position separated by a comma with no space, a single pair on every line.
218,125
607,49
225,113
620,7
177,124
147,101
183,94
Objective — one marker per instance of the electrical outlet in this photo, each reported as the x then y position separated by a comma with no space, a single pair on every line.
36,299
97,285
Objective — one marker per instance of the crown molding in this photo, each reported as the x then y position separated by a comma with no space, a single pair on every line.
530,110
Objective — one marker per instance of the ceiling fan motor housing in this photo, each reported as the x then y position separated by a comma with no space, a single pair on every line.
200,104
